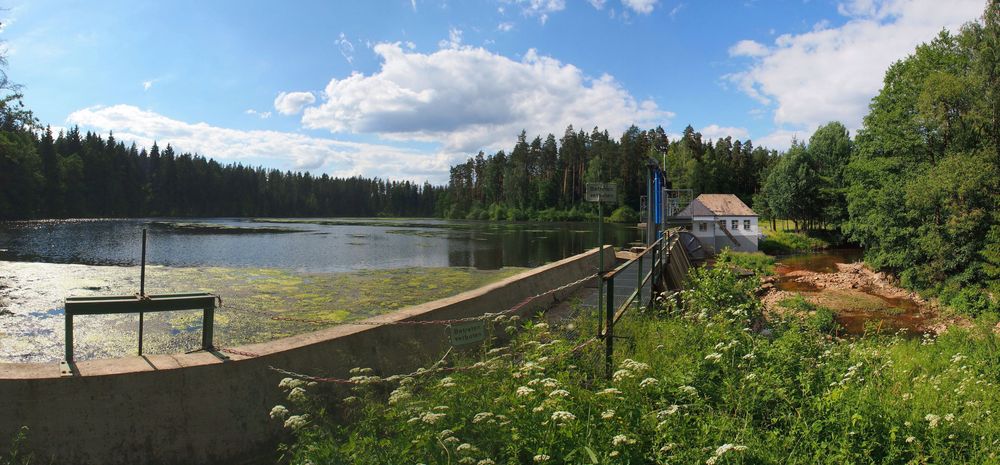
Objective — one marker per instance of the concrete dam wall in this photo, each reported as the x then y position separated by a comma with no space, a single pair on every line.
198,409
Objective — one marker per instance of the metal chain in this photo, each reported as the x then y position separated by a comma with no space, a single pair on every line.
431,370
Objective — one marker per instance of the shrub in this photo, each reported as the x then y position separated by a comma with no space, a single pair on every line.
624,214
758,262
697,387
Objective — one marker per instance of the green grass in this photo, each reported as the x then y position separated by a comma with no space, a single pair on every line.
757,262
785,242
692,384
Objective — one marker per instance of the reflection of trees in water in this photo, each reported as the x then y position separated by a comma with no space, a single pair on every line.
531,245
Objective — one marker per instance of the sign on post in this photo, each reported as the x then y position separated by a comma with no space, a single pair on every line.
606,192
466,333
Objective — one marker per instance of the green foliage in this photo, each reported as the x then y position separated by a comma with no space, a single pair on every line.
817,317
787,243
15,455
758,262
624,214
540,176
924,179
697,387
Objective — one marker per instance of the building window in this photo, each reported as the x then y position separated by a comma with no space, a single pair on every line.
746,224
703,226
722,224
736,225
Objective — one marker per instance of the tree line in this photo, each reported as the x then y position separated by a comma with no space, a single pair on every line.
546,179
76,175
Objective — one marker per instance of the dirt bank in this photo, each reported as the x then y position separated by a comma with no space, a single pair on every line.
858,295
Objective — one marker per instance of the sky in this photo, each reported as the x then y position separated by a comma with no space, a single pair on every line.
403,89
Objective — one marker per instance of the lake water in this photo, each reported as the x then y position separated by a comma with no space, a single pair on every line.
333,245
330,270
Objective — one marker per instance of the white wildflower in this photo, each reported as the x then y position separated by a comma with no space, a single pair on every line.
608,414
524,391
297,395
279,412
541,458
610,392
550,383
910,439
559,393
713,357
561,416
648,382
622,375
446,382
466,448
629,364
689,390
932,420
430,418
668,411
486,462
296,421
481,417
398,396
621,440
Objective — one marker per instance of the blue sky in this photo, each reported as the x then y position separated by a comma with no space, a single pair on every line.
403,88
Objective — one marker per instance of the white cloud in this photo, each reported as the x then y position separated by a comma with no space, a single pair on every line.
259,114
281,150
675,10
644,7
714,131
346,48
413,3
468,99
454,39
832,73
780,139
599,4
539,8
505,26
290,103
748,48
146,85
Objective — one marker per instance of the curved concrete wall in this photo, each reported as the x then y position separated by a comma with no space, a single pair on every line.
197,409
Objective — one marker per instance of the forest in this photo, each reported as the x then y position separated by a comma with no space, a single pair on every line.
74,175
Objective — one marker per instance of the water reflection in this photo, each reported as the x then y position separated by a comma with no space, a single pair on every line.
304,245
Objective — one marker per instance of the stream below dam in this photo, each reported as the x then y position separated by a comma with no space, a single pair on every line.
863,301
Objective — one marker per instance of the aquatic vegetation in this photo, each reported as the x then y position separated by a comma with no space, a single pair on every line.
250,297
695,384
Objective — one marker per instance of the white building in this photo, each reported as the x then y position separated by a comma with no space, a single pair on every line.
722,220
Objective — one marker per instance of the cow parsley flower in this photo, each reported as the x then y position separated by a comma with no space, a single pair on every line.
279,412
295,422
621,440
713,357
297,395
482,416
648,382
559,393
932,420
608,414
562,416
524,391
540,458
430,418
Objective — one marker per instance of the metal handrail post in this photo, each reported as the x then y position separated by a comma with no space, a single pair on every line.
609,333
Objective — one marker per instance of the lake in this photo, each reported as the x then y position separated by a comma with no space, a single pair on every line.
326,270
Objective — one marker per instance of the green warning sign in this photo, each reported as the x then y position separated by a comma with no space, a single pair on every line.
466,333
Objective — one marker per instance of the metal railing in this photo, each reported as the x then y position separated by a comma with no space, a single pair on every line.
660,252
